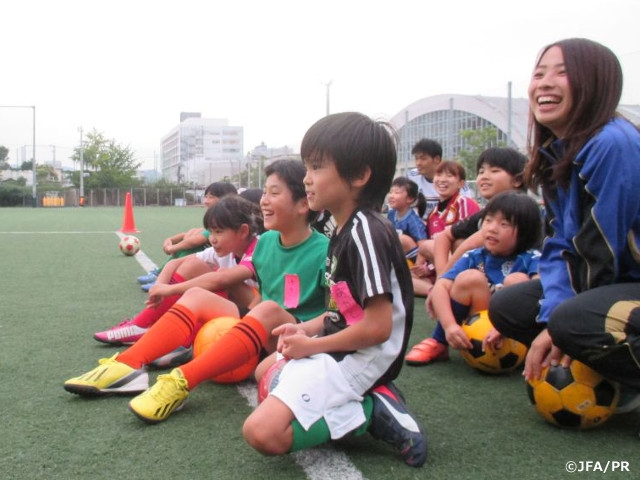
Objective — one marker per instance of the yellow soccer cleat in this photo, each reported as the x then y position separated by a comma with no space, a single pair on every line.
108,378
158,402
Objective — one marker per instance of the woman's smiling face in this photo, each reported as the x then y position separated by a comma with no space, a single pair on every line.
550,97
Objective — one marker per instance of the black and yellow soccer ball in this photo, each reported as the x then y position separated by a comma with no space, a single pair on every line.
505,359
576,397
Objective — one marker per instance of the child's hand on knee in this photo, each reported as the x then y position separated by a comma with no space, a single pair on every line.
287,344
296,346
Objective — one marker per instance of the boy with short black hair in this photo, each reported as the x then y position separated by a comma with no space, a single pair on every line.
337,381
427,154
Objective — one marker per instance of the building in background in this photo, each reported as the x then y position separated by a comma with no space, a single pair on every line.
201,150
261,156
443,117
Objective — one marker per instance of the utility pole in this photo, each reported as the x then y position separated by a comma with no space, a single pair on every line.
328,87
81,202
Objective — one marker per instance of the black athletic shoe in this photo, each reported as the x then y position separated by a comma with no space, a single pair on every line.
392,423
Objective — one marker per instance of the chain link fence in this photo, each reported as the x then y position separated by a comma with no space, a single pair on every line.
111,197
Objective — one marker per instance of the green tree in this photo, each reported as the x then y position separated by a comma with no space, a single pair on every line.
12,193
4,153
476,141
110,164
27,165
46,175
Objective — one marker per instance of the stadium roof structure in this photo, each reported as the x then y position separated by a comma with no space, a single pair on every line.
498,111
443,117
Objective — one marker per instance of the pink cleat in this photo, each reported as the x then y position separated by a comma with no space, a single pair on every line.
125,333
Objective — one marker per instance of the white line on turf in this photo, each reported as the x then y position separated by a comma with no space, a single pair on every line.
319,463
145,262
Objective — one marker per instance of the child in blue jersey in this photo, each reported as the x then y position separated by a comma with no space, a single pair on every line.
337,379
510,229
499,169
586,160
402,198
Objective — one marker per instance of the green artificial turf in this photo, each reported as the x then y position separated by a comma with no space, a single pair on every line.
63,278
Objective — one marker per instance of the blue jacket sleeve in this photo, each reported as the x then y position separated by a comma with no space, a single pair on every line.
594,220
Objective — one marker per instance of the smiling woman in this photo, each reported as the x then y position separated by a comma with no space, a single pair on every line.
585,159
549,92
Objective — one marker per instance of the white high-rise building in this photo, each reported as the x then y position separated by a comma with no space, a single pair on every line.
202,150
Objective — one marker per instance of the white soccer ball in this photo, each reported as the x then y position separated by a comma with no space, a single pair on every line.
129,245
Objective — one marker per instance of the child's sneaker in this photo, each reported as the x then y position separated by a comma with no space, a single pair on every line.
426,352
392,423
147,286
168,394
149,277
179,356
629,401
125,333
110,377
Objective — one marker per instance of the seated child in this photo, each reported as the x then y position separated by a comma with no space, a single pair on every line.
337,381
234,225
449,180
193,240
499,169
511,227
402,198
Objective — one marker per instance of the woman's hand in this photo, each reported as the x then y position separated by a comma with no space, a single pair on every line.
492,341
541,354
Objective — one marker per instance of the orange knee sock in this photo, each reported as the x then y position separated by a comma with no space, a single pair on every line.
236,347
167,334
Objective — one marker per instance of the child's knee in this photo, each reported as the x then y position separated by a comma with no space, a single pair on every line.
265,309
470,278
261,439
516,277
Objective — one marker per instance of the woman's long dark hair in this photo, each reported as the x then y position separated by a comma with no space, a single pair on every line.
595,79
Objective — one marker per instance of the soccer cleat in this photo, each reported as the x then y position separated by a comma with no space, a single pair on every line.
110,377
629,401
125,333
158,402
179,356
147,286
427,351
152,276
392,423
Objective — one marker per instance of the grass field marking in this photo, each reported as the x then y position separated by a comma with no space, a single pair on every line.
145,262
319,463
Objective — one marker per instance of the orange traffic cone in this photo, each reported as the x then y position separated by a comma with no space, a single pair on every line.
128,223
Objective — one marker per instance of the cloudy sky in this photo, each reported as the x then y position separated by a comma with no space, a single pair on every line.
129,67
